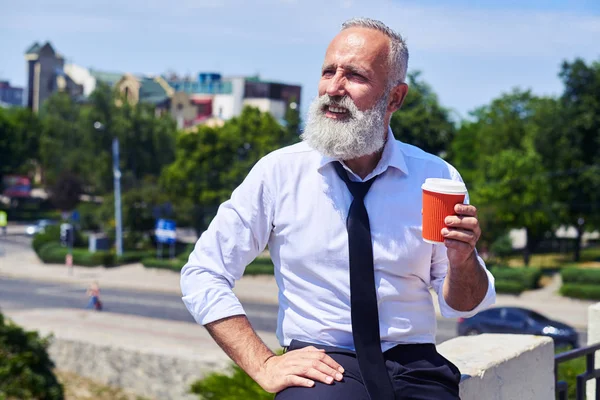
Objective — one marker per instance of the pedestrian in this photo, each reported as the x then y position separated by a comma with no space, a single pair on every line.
341,214
93,292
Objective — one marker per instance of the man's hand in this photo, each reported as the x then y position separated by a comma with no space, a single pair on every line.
300,367
461,234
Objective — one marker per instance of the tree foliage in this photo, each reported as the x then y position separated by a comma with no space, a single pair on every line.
499,161
213,161
19,141
422,121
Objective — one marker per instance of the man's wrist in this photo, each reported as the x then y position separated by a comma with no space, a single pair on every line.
471,264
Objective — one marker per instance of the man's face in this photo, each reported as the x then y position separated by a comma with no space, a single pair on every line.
349,118
356,65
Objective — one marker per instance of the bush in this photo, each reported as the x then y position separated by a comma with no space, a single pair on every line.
580,275
581,291
260,266
25,367
509,287
502,247
52,234
170,264
528,277
54,253
236,386
134,256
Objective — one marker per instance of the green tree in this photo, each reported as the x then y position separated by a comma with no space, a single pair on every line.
211,162
498,159
71,141
422,121
293,120
19,141
571,148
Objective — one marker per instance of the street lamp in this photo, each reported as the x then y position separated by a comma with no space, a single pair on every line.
117,187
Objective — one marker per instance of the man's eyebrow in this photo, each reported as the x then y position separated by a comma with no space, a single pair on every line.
350,68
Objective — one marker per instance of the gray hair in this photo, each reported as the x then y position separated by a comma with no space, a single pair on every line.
398,49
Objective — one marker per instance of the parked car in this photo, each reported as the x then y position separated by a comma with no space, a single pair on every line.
39,226
518,320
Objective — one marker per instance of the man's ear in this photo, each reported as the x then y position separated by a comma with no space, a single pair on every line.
397,96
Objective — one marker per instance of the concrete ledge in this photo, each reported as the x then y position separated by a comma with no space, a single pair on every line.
503,367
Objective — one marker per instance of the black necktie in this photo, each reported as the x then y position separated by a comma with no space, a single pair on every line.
363,296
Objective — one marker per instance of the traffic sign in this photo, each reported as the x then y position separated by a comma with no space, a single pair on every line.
165,231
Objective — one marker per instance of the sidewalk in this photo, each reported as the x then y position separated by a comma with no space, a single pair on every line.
257,289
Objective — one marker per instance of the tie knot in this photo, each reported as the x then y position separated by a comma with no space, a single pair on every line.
358,189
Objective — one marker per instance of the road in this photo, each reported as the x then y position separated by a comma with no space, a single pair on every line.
17,294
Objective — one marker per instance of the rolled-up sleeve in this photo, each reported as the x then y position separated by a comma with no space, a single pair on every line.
439,269
237,234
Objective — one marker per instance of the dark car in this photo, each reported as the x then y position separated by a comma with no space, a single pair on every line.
520,321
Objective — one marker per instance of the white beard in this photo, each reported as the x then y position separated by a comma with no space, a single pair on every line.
360,134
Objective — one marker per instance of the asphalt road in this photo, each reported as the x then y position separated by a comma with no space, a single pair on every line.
17,294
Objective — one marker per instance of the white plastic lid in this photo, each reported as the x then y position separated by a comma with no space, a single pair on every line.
440,185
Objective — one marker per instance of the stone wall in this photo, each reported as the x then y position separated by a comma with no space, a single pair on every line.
151,375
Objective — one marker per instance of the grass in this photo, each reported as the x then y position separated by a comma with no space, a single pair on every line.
590,258
80,388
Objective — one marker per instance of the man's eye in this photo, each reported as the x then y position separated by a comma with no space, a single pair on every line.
328,72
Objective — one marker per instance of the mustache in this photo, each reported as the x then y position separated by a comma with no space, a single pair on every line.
338,101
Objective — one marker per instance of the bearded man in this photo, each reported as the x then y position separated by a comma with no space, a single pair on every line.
341,214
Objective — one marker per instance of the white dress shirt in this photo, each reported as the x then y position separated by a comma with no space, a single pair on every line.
294,201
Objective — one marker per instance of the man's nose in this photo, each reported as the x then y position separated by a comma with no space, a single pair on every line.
336,85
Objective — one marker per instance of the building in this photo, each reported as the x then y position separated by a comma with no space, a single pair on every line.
214,99
155,91
210,99
46,75
10,96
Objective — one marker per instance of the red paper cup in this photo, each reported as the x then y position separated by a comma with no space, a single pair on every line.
439,198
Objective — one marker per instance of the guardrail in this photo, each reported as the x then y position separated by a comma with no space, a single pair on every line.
591,372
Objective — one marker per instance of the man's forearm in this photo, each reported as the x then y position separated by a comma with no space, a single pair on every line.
465,285
238,339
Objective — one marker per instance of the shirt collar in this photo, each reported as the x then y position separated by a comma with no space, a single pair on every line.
392,157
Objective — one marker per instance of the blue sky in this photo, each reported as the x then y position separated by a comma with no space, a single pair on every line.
469,51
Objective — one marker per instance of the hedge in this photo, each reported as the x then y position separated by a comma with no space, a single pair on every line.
509,287
260,266
54,253
580,275
581,291
165,263
134,256
528,277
